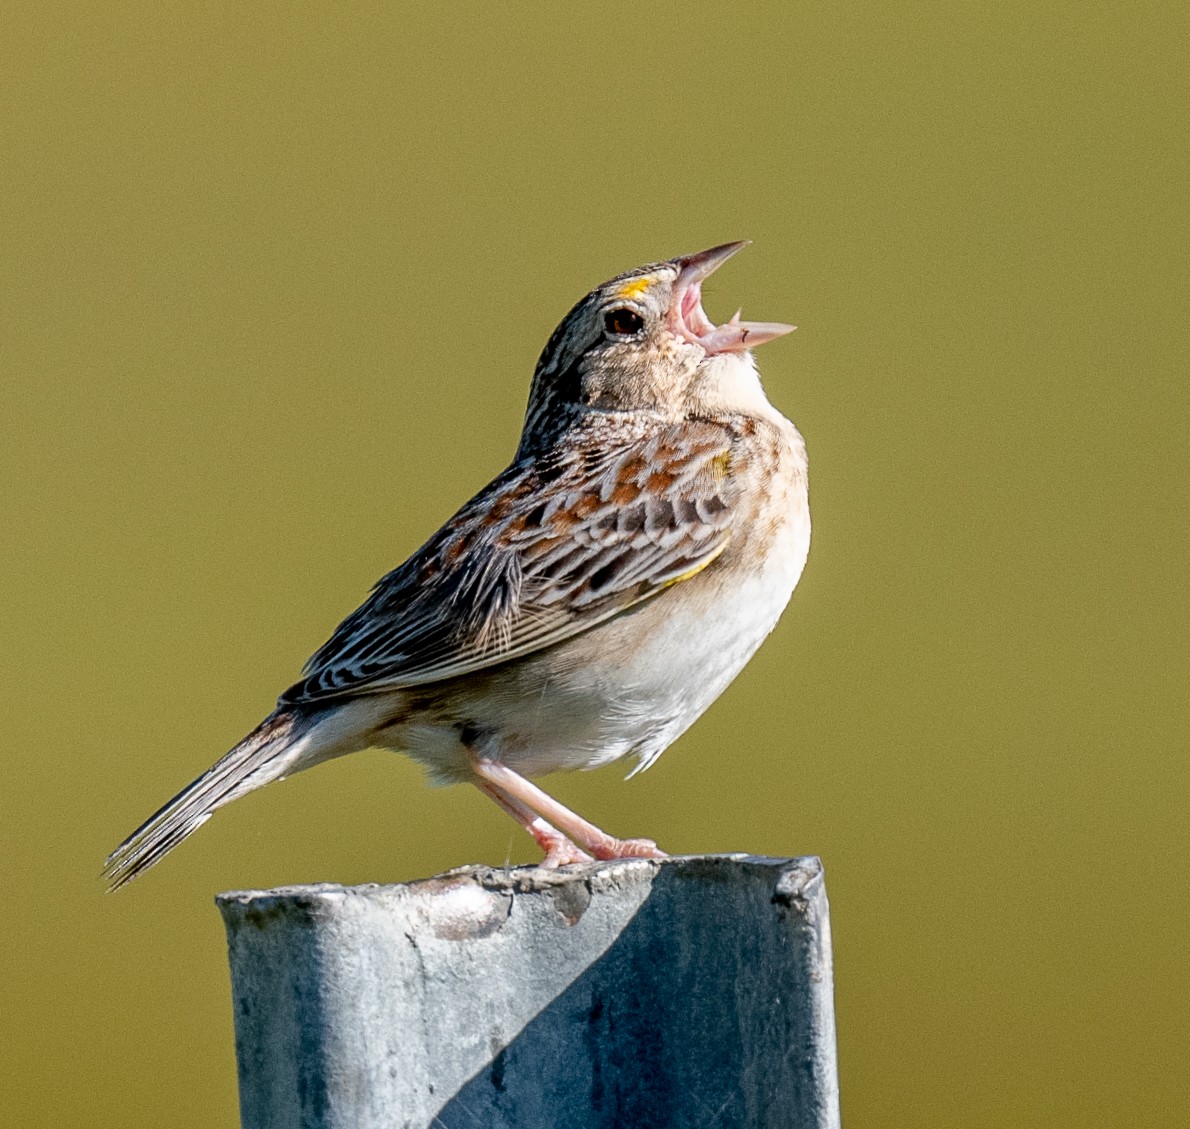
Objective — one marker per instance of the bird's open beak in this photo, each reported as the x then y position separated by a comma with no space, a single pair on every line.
688,319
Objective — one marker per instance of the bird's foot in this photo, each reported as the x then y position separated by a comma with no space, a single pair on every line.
564,836
628,849
560,851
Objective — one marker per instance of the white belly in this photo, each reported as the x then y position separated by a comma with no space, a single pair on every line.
628,687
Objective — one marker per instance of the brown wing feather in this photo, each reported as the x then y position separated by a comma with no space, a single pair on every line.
551,548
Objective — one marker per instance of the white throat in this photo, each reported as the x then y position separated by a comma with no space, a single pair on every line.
730,382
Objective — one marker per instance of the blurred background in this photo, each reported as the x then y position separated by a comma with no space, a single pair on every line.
274,279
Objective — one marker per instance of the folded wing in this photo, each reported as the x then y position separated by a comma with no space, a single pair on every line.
549,550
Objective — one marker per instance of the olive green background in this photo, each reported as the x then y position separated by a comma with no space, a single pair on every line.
273,282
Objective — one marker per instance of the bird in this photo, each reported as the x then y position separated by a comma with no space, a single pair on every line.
588,604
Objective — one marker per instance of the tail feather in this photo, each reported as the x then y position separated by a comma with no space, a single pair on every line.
258,759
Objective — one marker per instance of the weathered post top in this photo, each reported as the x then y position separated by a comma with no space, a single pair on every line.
686,992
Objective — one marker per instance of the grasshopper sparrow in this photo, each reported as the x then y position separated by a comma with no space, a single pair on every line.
588,604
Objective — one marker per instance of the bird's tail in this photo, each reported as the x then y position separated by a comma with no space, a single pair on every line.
268,753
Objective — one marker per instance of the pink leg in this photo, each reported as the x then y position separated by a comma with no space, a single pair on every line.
586,835
559,851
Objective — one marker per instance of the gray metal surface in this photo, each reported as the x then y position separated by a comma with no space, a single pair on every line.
684,994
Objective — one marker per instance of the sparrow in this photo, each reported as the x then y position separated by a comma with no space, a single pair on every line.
586,605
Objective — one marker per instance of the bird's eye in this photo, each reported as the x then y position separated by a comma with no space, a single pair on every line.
623,322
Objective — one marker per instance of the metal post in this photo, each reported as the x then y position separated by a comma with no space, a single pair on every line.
692,992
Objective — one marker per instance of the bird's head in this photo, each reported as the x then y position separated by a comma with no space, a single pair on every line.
642,342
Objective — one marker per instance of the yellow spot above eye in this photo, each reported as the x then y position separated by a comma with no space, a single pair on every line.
635,288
